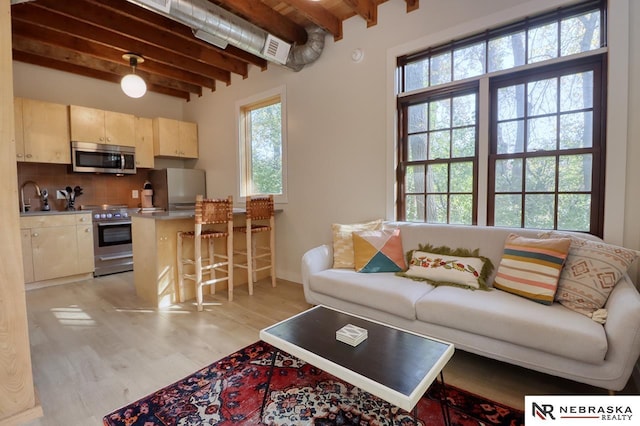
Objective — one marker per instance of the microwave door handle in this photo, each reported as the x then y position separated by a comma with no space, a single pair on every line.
122,162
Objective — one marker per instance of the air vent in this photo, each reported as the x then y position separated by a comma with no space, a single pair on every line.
276,49
155,5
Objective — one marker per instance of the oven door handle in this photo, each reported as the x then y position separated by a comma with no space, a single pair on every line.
105,224
115,257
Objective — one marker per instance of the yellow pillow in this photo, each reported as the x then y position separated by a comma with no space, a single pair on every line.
343,241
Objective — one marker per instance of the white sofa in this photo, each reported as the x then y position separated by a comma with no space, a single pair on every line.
496,324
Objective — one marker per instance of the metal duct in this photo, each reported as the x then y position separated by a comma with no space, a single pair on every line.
218,26
300,56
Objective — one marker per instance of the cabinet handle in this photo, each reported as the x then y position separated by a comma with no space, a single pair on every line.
19,155
101,138
29,155
87,230
108,139
82,219
35,234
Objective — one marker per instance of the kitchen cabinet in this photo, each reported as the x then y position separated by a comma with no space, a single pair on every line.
96,125
42,131
27,256
57,247
84,238
175,138
154,254
144,142
19,133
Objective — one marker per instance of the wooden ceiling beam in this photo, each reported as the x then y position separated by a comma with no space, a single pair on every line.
57,38
77,60
319,16
268,19
99,75
366,9
176,28
412,5
97,15
75,28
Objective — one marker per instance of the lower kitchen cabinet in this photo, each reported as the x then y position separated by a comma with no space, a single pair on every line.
57,248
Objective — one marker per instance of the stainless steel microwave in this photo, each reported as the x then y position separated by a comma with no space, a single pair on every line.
101,158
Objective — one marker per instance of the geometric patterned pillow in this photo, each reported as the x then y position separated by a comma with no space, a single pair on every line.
378,251
530,267
591,271
343,241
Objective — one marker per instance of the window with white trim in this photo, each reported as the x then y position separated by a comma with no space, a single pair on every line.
262,145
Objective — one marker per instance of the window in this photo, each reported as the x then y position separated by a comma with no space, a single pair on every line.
546,150
439,163
262,147
543,106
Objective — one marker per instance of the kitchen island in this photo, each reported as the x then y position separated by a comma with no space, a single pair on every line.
155,250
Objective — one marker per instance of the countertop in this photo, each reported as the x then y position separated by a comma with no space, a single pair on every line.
52,212
176,214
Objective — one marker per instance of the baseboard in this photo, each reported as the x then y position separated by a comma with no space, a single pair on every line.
58,281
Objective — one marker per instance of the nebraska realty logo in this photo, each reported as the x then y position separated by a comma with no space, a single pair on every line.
582,410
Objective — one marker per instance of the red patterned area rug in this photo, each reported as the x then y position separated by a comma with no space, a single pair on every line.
231,392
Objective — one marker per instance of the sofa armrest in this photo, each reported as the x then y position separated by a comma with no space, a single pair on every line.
315,260
623,328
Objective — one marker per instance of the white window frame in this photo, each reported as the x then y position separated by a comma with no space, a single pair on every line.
243,149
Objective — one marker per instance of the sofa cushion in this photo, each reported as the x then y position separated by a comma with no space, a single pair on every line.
378,251
343,241
530,267
383,291
504,316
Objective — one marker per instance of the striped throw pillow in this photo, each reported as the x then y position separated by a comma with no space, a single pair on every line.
531,267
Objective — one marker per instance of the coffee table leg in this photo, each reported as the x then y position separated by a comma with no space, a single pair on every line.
444,406
266,390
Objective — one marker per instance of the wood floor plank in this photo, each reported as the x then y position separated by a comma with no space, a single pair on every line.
96,347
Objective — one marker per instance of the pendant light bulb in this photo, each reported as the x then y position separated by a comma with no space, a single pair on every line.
132,84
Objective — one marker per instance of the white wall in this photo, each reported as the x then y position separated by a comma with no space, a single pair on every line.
338,127
340,120
31,81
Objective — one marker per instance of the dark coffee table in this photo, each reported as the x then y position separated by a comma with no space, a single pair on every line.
393,364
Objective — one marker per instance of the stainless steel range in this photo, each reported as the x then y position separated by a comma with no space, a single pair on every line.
112,243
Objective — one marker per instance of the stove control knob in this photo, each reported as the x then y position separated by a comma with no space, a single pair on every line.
125,214
96,216
103,215
109,215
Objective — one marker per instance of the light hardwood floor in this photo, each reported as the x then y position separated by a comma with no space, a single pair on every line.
96,347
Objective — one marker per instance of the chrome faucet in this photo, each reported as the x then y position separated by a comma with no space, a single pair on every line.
24,206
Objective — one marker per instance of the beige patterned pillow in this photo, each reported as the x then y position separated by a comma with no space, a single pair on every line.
343,241
590,272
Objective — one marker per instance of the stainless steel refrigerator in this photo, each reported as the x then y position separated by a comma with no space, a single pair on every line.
176,189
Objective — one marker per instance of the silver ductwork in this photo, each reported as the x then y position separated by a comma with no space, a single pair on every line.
218,26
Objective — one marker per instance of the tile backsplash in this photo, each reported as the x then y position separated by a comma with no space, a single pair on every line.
96,188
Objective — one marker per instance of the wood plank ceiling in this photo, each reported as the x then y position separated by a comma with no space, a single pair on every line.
89,37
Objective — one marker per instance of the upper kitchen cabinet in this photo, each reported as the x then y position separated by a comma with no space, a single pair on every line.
42,131
96,125
174,138
144,142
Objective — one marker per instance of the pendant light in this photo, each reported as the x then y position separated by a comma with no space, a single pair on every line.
132,84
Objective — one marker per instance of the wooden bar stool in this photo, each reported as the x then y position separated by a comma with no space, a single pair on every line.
258,209
213,212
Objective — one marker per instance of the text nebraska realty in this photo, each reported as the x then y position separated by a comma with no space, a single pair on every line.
603,412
